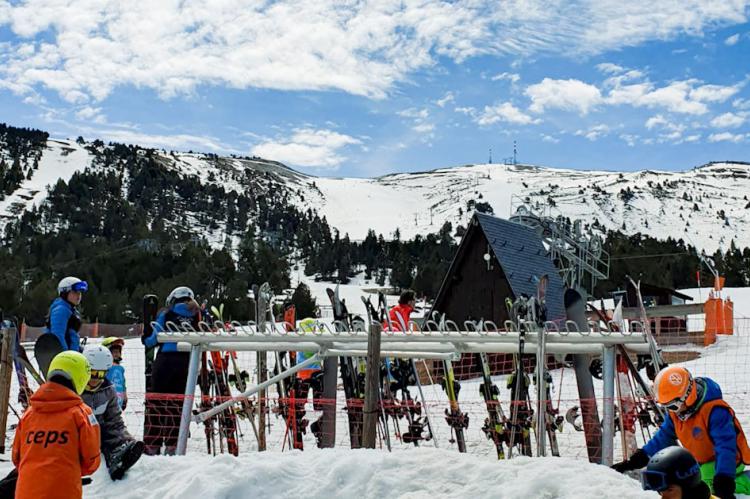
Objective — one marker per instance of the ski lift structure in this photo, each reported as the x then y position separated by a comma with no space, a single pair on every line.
577,251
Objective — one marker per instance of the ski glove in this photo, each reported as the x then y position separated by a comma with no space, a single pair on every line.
638,460
724,486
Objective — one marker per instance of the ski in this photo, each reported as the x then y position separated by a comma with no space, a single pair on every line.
457,420
495,422
46,347
657,362
150,309
261,294
353,384
518,383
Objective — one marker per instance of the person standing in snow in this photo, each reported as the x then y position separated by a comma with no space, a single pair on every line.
705,425
64,320
169,372
57,440
310,378
674,473
116,373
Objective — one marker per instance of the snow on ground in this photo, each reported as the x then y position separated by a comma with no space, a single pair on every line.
342,473
60,159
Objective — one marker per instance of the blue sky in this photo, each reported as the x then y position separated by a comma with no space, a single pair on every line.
368,88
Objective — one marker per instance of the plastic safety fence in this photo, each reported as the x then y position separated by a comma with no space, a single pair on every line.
302,419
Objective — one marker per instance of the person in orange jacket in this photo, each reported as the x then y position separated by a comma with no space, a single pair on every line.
57,439
401,314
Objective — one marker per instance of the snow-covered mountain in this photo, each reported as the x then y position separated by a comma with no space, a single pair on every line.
706,206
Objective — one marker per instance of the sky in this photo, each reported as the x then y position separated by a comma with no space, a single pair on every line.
357,88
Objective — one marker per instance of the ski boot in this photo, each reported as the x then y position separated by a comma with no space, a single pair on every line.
123,458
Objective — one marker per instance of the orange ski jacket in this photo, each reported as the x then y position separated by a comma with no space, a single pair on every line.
56,443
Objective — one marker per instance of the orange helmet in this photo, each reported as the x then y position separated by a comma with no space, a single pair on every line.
674,388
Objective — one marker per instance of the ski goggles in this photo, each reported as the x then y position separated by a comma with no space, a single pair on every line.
80,287
654,480
98,374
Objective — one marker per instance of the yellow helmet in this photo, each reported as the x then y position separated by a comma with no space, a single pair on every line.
73,366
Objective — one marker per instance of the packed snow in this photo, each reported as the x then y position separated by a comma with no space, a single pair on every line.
343,473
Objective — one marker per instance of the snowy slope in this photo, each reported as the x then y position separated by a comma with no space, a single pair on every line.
60,159
684,205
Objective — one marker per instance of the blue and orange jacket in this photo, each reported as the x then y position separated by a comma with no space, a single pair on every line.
64,321
178,314
711,433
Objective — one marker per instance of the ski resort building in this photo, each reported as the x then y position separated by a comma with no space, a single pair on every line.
496,260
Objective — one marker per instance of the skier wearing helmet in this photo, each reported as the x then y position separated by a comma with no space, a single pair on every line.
57,440
116,373
705,425
675,474
120,449
169,372
64,320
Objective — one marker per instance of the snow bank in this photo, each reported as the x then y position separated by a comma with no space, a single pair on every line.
417,473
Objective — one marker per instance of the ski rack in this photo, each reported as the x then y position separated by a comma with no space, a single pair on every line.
446,341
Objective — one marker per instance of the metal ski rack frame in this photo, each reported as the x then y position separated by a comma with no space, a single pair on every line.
434,341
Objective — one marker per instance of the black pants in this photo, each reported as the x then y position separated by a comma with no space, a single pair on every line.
8,485
164,401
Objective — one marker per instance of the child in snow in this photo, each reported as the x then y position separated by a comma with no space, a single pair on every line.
675,474
120,449
116,373
63,320
57,439
705,425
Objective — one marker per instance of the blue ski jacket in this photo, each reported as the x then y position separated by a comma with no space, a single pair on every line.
64,321
177,313
721,431
116,375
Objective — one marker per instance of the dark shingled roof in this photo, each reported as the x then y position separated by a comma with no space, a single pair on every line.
520,252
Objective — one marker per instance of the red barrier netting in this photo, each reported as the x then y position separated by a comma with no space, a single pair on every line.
297,416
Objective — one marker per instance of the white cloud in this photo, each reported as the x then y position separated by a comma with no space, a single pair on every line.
549,138
446,99
630,139
83,50
93,114
414,113
655,121
728,120
693,138
511,77
424,128
570,95
732,40
505,112
743,104
726,137
469,111
594,133
307,147
610,68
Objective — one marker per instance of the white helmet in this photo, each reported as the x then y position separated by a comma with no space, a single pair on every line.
179,293
71,284
99,357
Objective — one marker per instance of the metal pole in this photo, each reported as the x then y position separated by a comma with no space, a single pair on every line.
187,402
201,417
372,388
541,410
6,371
608,425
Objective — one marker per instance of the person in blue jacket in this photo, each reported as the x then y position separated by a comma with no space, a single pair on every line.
116,373
169,372
705,424
64,320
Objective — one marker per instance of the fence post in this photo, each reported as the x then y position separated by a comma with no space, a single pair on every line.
6,370
187,402
608,402
370,419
